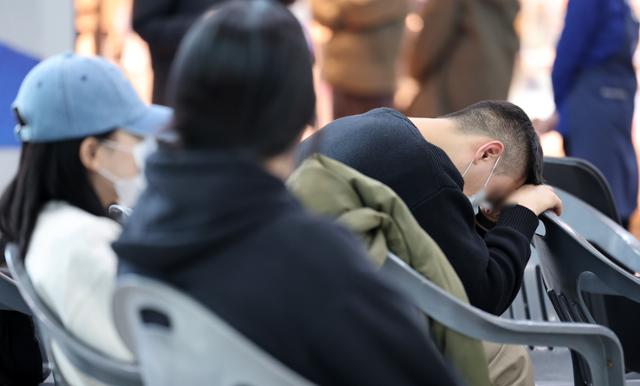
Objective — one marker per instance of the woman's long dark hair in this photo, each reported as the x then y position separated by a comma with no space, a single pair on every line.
47,171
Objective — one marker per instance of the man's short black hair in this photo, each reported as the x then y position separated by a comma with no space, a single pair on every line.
242,80
510,125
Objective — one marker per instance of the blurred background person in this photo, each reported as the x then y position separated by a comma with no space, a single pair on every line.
360,55
162,24
464,53
594,86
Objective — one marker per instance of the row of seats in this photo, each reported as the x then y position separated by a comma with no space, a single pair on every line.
157,321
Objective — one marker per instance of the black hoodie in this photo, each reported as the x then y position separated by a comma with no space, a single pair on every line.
230,235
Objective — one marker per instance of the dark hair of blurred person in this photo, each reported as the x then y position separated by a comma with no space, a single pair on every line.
229,72
218,222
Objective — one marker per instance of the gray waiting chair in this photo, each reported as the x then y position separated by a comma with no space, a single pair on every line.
532,302
597,344
577,178
572,268
601,231
582,179
83,357
180,342
552,365
621,247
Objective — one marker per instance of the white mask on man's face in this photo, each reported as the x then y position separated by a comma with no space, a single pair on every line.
479,200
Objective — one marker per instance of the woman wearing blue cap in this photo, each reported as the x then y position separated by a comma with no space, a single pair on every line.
81,125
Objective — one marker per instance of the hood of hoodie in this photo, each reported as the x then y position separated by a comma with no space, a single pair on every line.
197,203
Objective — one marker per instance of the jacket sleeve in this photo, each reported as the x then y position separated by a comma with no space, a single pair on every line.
85,294
374,339
490,268
159,25
580,27
441,20
357,14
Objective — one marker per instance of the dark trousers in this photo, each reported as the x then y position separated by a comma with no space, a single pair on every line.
20,356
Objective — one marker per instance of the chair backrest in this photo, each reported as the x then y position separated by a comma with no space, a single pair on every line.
621,247
571,265
10,298
574,270
180,342
83,357
601,231
583,180
596,344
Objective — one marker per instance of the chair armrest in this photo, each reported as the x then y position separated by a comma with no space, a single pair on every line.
598,345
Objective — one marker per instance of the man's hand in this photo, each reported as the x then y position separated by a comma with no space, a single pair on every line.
537,198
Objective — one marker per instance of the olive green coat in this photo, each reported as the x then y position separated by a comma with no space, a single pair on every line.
385,224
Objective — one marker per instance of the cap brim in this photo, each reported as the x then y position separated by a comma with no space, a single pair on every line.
152,122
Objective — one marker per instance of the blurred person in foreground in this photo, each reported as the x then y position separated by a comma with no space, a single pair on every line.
594,86
163,24
218,222
82,126
465,53
359,58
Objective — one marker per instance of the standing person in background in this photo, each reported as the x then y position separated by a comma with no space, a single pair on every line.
162,24
464,54
361,54
594,86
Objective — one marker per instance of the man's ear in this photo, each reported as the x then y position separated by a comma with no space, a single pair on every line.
493,149
88,153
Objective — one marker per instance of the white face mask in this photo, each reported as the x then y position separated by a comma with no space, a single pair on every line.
142,151
479,199
129,189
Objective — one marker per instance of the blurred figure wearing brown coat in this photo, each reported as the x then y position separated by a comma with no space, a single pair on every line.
361,54
464,54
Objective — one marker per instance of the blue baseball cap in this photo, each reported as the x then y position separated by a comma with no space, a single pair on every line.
69,96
